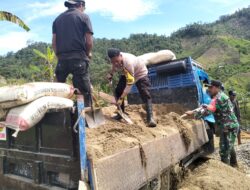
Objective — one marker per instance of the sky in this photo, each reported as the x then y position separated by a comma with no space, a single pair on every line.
110,18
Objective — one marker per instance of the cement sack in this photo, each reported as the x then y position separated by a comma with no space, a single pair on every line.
12,96
158,57
24,117
3,114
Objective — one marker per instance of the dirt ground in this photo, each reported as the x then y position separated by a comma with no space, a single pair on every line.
117,136
214,175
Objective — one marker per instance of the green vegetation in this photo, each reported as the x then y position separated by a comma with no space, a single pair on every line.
237,24
6,16
193,31
49,65
16,67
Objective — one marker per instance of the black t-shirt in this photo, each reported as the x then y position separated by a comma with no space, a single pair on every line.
70,29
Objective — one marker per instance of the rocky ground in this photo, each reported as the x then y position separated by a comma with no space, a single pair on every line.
243,153
212,174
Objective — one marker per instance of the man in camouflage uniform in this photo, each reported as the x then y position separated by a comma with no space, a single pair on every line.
232,95
227,122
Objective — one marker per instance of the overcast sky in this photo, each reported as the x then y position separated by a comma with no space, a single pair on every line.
111,18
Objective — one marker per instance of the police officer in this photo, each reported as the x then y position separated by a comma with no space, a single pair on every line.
133,72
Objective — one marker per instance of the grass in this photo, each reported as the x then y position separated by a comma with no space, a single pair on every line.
212,51
217,50
241,45
239,82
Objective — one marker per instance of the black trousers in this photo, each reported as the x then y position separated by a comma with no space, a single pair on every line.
119,90
143,85
80,71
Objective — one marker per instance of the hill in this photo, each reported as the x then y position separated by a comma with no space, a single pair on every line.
222,47
237,24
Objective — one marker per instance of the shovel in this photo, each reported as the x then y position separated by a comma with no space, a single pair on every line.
196,110
94,116
183,116
124,116
112,100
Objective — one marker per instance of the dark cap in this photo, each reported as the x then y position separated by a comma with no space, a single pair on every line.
232,93
73,2
113,52
215,83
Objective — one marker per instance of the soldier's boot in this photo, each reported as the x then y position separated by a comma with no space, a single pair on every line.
225,160
149,109
239,139
233,159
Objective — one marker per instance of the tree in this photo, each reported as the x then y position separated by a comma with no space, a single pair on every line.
248,87
49,62
6,16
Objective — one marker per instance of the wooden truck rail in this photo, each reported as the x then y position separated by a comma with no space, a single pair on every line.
132,169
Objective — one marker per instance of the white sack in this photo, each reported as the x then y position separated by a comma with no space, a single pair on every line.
3,114
12,96
24,117
158,57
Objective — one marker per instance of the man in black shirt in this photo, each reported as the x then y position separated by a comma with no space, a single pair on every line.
72,42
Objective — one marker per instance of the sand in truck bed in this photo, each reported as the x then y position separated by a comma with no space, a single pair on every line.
114,136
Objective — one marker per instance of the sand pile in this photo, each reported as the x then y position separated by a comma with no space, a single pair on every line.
243,155
116,136
214,175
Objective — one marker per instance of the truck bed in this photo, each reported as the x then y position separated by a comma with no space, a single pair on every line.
116,165
120,156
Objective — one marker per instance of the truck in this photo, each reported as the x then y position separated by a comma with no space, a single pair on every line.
48,155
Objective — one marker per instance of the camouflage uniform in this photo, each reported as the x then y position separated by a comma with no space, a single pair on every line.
223,110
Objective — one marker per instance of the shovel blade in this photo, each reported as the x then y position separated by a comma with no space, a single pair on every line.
95,121
125,117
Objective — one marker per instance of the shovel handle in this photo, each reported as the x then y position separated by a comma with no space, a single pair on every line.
95,100
184,115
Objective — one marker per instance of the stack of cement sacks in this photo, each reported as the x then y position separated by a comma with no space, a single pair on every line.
22,107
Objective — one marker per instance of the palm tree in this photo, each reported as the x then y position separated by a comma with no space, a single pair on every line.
49,62
6,16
